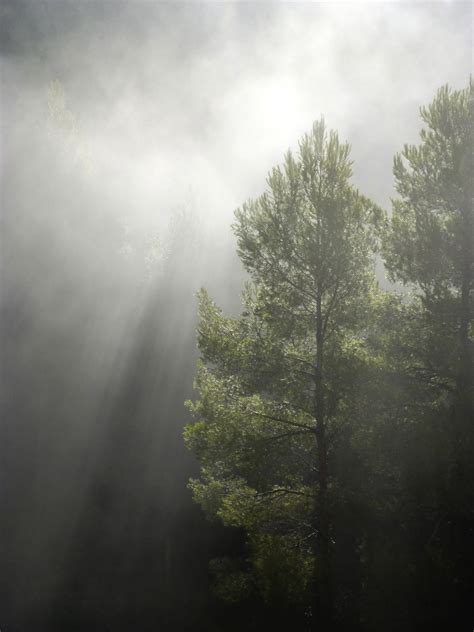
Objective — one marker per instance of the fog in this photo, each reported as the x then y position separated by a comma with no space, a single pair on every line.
130,133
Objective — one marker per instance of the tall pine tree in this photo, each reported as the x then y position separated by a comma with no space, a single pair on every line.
429,248
277,384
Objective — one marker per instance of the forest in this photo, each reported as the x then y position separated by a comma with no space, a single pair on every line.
215,420
334,419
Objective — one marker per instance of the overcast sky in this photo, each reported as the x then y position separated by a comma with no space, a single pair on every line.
201,99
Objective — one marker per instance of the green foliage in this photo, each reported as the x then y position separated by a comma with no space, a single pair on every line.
334,420
434,182
429,247
430,242
310,231
308,243
275,571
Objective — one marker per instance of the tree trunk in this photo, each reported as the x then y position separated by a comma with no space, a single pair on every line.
322,594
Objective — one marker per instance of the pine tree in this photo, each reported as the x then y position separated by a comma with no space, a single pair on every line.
430,244
277,385
429,248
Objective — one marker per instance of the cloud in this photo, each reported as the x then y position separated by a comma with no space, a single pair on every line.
208,96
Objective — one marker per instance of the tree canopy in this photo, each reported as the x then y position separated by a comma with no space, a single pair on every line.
278,384
322,418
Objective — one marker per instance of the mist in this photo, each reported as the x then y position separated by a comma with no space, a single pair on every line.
131,131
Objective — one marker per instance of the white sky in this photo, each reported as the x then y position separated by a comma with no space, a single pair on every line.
206,97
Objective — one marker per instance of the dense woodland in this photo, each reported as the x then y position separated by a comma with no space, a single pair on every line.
325,477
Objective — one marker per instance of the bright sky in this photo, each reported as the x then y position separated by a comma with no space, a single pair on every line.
201,99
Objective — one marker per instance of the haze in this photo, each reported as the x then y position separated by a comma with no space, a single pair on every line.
130,133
